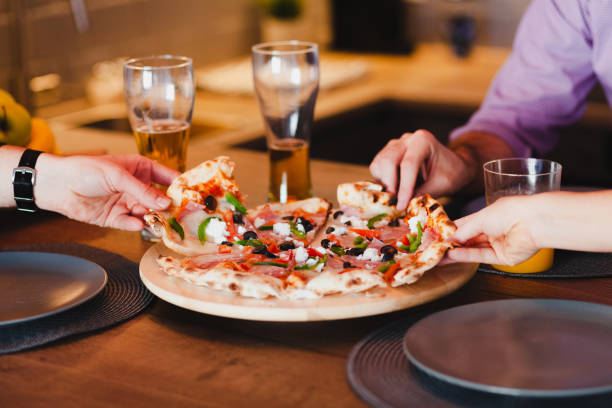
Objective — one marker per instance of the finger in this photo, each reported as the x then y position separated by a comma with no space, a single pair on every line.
147,196
477,255
126,222
417,151
468,227
385,164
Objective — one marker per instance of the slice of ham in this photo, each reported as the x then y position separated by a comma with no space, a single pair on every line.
209,260
189,208
276,271
429,237
392,234
360,263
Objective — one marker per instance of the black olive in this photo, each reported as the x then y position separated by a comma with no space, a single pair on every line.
227,243
330,230
237,218
305,223
210,202
348,223
393,201
394,222
288,217
354,251
262,250
325,243
347,265
285,246
249,235
388,252
337,214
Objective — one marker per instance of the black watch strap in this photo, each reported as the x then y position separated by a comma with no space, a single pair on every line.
24,179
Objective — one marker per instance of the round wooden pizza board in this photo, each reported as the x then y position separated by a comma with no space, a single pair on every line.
434,284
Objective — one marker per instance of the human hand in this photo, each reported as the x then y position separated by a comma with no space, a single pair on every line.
110,191
498,234
444,171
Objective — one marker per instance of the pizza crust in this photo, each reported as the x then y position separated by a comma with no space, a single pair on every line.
370,198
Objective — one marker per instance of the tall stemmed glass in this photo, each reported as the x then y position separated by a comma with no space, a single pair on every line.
286,77
159,93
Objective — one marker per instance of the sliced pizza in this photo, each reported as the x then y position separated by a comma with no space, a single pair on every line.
207,210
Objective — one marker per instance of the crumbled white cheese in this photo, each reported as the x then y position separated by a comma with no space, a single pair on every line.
320,250
300,227
300,254
311,261
340,230
297,243
258,222
370,254
398,243
241,229
355,221
216,231
281,228
284,256
412,222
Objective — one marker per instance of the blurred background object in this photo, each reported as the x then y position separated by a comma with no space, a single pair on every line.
68,38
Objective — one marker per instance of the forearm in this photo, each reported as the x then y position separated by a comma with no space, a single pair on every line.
477,148
565,220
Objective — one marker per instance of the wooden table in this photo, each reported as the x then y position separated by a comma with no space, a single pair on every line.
169,357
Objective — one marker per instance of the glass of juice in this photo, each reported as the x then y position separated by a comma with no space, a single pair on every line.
286,78
517,176
159,93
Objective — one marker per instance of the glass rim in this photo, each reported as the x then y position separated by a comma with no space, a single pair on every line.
182,62
558,167
307,47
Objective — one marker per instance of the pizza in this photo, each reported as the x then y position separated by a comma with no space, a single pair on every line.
298,250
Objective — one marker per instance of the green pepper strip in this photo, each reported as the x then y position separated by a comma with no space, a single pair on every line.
177,227
363,245
266,228
202,229
282,265
234,201
358,240
414,245
297,232
372,220
385,267
313,266
249,242
338,250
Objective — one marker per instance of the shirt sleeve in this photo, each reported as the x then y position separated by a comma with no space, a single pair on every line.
544,83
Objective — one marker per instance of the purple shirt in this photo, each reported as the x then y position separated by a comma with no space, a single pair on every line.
562,47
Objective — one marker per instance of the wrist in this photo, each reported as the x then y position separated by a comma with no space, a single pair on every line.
48,184
469,157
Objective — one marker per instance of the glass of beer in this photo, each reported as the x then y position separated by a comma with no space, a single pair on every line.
286,78
508,177
159,93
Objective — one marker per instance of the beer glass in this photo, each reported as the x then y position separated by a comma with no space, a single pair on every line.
159,94
286,79
508,177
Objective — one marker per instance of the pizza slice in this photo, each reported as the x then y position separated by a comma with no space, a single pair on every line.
206,213
368,232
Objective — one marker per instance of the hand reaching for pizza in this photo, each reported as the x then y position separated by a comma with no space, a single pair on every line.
110,191
498,234
398,164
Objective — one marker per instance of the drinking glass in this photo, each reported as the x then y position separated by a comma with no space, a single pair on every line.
159,94
286,77
509,177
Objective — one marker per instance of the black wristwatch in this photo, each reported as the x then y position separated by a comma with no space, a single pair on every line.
24,179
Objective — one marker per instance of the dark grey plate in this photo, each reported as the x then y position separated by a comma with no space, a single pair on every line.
519,347
37,284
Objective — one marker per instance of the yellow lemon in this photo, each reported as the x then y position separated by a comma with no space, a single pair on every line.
41,137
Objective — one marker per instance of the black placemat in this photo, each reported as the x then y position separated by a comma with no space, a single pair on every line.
123,297
382,376
567,265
